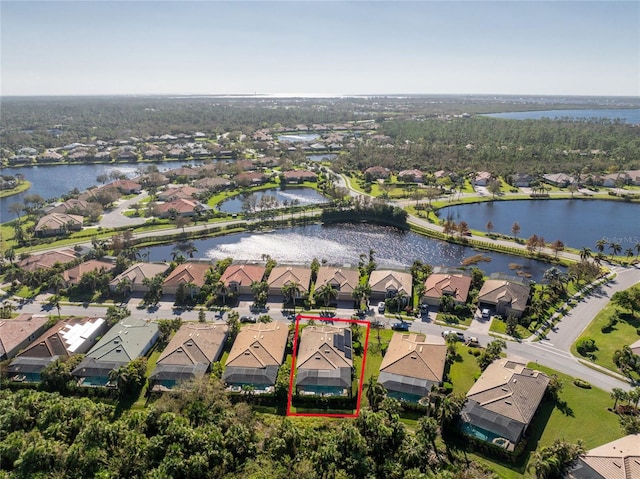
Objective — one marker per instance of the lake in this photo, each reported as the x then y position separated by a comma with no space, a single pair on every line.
578,223
303,196
342,244
53,181
631,115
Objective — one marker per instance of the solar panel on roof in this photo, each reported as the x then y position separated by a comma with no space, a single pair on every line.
347,353
338,342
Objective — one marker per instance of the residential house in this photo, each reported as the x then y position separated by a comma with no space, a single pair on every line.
58,223
413,364
68,337
633,176
135,275
153,154
188,173
614,179
256,356
189,354
189,273
126,187
411,176
127,155
446,282
299,176
237,278
128,340
46,260
635,347
508,295
387,283
179,207
522,180
73,275
71,206
482,178
251,178
324,361
619,459
560,180
187,192
282,276
502,402
343,280
18,333
213,184
377,173
50,156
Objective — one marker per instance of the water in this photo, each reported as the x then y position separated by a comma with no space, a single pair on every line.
325,157
627,115
299,137
303,196
578,223
342,244
51,182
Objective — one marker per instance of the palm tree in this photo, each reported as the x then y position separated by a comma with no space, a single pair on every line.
56,282
600,244
637,248
629,253
618,394
615,249
402,298
376,393
327,293
124,286
291,291
585,254
10,255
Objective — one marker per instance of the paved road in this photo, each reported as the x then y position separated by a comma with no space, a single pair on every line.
115,218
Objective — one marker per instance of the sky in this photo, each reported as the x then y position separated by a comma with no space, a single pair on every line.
320,47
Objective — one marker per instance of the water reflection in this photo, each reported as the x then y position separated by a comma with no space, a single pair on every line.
279,198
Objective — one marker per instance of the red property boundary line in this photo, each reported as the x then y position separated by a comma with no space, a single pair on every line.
293,367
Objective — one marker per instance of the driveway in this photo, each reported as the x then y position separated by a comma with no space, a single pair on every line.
116,219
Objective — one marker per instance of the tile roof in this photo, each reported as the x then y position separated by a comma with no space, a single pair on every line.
455,285
259,345
57,221
510,389
138,272
496,291
47,260
126,341
384,280
14,331
73,275
189,272
195,343
320,347
345,280
415,355
619,459
283,275
242,274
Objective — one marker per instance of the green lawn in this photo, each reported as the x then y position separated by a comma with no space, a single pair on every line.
498,326
464,371
622,333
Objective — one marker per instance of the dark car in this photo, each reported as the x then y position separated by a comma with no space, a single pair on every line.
248,319
400,326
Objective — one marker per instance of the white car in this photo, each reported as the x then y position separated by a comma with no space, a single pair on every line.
486,314
381,307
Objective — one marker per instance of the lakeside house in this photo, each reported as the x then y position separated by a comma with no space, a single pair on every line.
256,356
386,283
522,180
189,355
187,192
17,333
72,276
324,361
482,178
179,207
343,280
412,365
55,224
66,338
446,282
560,180
502,402
411,176
133,277
237,278
619,459
282,276
191,274
299,176
46,260
128,340
507,295
213,184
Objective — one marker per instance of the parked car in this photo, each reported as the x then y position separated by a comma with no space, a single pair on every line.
400,326
486,314
472,341
381,307
248,319
455,334
377,324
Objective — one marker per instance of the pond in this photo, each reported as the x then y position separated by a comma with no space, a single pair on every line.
298,137
342,244
53,181
631,115
577,223
324,157
283,197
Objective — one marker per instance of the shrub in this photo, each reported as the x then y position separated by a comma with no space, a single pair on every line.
586,346
581,383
